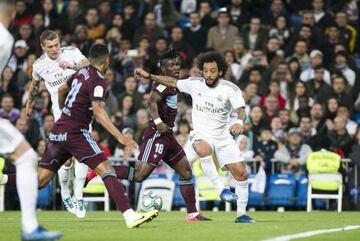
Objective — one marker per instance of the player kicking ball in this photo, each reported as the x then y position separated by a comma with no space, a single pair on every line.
214,99
159,143
70,135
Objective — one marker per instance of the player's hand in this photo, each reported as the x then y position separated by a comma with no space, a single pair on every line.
141,73
236,129
66,65
29,110
128,141
162,127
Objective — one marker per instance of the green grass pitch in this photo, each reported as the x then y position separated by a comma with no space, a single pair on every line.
170,226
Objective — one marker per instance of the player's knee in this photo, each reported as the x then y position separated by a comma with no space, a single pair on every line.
187,174
240,175
42,183
140,176
203,149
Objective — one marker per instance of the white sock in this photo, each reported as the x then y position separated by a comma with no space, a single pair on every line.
130,215
64,178
81,170
4,179
193,215
242,190
209,169
27,187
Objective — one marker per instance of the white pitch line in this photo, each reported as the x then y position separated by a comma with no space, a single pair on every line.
311,233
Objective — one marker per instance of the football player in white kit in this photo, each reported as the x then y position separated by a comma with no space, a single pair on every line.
214,99
55,67
12,143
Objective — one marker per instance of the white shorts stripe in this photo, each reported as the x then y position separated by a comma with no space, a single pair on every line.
149,146
92,143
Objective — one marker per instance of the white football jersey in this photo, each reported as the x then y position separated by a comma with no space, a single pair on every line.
49,70
212,106
6,45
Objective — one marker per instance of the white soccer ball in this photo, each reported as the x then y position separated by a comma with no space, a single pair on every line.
150,201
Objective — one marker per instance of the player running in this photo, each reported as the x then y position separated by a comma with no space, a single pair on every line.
56,66
13,143
214,99
159,143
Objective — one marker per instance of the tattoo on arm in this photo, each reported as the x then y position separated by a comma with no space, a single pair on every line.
241,113
165,80
83,63
34,91
100,103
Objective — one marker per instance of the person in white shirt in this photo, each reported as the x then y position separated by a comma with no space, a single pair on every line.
214,99
13,143
55,67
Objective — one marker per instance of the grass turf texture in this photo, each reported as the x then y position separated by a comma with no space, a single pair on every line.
171,226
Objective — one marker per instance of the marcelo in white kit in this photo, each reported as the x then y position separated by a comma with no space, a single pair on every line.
55,67
214,99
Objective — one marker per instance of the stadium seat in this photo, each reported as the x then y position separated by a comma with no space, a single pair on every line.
96,186
281,190
163,187
256,199
301,191
323,167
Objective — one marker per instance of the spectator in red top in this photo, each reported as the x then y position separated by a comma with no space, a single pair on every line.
22,14
274,90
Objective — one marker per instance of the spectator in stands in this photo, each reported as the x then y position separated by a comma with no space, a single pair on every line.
71,17
309,134
355,150
344,112
142,122
276,9
241,54
130,89
257,122
265,148
48,123
235,70
205,14
95,28
150,29
23,14
342,65
281,30
81,39
254,36
333,38
318,118
271,107
316,58
274,90
178,43
294,153
166,14
293,102
9,85
317,86
97,138
17,61
300,53
239,13
341,92
222,36
244,146
284,115
105,13
195,34
22,125
294,67
112,104
278,132
251,97
50,16
273,52
304,108
322,18
339,136
161,46
347,31
8,111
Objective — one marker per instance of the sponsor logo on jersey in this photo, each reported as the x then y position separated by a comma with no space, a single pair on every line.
58,137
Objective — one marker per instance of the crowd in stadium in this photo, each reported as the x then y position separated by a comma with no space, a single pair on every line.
297,63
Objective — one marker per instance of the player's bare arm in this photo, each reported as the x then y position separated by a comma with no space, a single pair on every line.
33,92
63,90
161,79
154,99
238,127
66,65
103,118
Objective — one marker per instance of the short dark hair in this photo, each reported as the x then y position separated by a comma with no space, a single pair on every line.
98,53
48,35
210,57
170,54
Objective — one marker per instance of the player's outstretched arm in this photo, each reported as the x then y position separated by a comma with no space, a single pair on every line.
33,92
63,90
161,79
66,65
154,99
103,118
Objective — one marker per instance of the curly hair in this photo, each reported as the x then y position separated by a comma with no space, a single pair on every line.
210,57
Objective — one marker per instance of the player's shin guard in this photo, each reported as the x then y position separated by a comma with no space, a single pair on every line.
188,192
64,176
27,187
209,169
116,191
81,170
242,190
124,172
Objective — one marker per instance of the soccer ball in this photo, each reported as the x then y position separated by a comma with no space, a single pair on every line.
150,201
